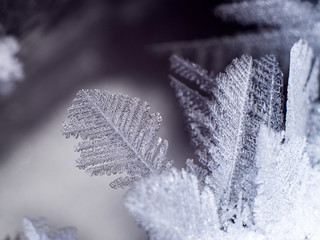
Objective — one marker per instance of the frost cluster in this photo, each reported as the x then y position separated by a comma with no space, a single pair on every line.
255,174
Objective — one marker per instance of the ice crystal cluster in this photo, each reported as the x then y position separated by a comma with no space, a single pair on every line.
275,26
39,230
10,67
255,174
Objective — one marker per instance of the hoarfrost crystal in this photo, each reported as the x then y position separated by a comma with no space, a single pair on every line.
252,178
281,196
224,121
171,206
119,136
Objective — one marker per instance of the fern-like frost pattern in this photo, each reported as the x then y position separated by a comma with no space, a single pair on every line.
252,178
224,121
119,136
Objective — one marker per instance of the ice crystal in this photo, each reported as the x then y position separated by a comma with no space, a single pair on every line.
282,202
275,162
300,67
164,203
39,230
252,178
287,206
282,207
119,136
303,93
224,121
10,68
171,206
